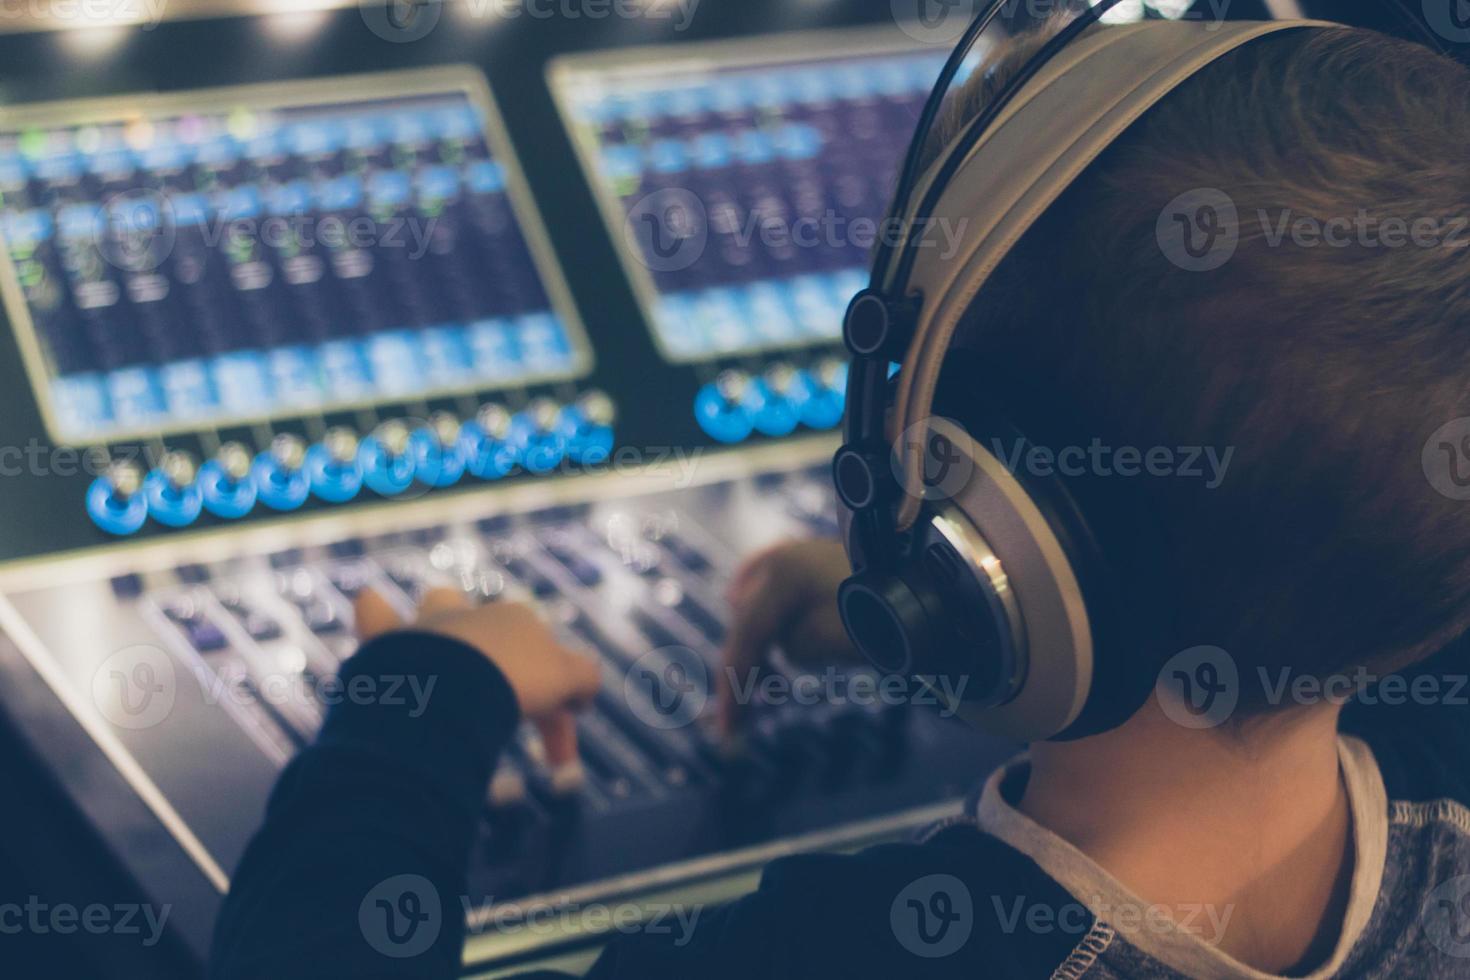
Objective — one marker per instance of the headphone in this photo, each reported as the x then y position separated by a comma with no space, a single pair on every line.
963,569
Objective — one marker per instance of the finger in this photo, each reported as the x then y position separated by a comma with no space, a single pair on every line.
373,615
755,626
755,567
441,600
584,678
558,732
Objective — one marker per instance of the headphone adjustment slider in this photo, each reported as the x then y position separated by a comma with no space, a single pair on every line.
878,326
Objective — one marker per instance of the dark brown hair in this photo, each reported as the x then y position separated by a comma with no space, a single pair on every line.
1324,368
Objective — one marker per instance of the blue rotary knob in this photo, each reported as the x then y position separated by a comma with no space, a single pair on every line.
826,393
588,427
537,437
387,459
437,454
226,484
332,466
726,407
280,473
779,393
115,500
172,490
485,443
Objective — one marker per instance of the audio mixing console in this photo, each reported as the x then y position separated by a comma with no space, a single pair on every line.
310,337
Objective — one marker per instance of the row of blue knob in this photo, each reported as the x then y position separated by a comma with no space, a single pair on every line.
775,403
393,458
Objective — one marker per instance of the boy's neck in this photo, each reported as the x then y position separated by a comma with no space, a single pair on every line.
1251,820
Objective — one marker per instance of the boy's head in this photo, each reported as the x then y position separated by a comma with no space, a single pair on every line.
1293,391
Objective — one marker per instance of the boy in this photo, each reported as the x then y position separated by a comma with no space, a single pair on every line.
1291,838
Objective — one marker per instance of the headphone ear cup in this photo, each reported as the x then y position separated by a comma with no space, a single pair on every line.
1127,650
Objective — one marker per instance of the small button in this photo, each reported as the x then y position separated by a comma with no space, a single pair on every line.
350,580
320,617
260,626
499,524
350,548
127,586
205,636
564,550
684,552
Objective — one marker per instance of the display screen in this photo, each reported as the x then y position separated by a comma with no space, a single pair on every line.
234,257
745,183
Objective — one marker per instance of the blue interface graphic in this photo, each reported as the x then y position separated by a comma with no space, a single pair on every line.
750,192
200,269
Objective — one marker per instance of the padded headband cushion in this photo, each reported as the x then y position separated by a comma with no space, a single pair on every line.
1056,126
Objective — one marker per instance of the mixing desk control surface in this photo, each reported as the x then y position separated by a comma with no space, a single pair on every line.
240,650
311,337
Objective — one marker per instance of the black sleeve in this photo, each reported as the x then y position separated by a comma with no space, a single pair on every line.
359,865
1418,725
360,868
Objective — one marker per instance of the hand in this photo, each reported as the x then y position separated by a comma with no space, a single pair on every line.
786,597
549,681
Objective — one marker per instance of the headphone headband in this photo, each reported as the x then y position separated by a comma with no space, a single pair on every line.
1076,106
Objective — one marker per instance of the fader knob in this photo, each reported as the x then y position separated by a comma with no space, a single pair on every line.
280,475
438,456
115,501
386,459
332,466
484,443
225,481
173,495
